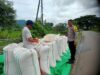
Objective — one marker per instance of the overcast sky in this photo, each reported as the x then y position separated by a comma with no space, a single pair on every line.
56,11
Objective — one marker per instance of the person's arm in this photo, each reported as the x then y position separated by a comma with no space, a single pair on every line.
29,37
33,40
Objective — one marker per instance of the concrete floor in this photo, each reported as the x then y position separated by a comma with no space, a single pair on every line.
87,56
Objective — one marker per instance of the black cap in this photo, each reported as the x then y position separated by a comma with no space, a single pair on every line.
29,22
70,20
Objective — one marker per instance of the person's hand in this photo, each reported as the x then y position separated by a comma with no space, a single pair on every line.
36,40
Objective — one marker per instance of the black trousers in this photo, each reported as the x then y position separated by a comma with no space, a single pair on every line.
72,49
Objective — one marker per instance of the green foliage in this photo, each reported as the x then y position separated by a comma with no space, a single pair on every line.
60,28
7,14
49,28
88,22
10,34
38,30
3,43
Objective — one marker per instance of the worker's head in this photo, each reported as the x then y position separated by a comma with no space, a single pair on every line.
29,24
70,23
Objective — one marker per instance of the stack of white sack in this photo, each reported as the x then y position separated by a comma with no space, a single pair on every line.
61,44
52,57
50,37
64,43
43,51
50,40
50,48
55,50
20,44
27,61
10,66
52,60
57,46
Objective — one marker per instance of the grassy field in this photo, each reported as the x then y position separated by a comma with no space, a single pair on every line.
9,36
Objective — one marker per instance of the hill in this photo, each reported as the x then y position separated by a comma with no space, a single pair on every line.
21,23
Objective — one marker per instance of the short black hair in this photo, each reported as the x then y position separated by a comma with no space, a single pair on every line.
29,22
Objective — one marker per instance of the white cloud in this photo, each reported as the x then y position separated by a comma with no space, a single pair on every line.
88,3
56,10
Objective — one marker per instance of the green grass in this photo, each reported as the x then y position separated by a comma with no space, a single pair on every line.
10,34
3,43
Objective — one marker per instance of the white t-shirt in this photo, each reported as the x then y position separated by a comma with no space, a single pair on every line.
25,35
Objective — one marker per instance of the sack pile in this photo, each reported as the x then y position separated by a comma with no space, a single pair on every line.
23,61
20,61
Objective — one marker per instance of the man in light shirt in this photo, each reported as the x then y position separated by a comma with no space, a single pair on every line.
71,41
28,41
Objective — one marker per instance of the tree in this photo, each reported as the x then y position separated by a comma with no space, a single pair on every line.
7,14
60,28
38,29
49,27
88,22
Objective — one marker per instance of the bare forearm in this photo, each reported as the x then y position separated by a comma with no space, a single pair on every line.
32,40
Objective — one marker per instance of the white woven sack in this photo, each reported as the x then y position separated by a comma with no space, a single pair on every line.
20,44
59,42
65,42
56,48
52,60
44,58
50,37
27,61
64,46
55,51
10,67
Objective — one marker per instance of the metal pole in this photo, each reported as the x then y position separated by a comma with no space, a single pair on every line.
37,10
42,11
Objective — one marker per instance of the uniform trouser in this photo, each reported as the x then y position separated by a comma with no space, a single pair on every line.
72,49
